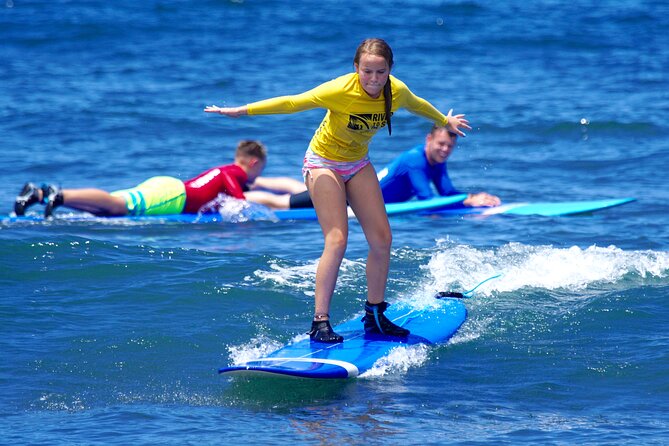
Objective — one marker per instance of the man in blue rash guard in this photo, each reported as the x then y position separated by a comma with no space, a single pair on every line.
411,173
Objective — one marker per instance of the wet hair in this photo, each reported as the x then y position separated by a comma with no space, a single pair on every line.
436,128
379,47
250,148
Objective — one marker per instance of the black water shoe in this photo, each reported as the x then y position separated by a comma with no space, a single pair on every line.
377,323
28,196
321,331
53,197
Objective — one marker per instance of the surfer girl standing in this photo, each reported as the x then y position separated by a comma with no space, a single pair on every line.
337,170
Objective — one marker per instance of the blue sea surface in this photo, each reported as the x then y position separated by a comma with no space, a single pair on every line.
112,332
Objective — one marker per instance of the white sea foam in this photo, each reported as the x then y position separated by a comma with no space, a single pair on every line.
303,277
257,347
461,268
233,210
574,268
399,360
472,330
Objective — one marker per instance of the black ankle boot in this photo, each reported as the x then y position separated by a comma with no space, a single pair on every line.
28,196
53,197
321,331
377,323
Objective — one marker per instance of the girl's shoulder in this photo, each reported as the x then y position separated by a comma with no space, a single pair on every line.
341,83
343,79
398,86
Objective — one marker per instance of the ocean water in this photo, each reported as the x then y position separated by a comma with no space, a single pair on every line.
112,333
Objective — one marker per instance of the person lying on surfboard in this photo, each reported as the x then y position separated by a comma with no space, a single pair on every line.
338,172
410,175
161,195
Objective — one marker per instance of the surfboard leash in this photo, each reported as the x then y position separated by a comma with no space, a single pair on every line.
465,294
404,319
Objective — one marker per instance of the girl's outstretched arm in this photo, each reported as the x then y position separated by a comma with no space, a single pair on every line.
233,112
425,109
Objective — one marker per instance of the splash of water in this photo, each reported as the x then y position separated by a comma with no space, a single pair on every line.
233,210
544,267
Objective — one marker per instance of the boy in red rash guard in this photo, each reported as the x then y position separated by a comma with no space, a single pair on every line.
200,190
161,195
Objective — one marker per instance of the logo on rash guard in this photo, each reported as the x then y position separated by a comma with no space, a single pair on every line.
367,121
206,178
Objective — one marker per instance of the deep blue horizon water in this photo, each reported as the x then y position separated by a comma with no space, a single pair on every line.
112,333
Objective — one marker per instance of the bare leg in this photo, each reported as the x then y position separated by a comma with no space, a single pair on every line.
282,185
366,200
95,201
268,199
364,196
328,194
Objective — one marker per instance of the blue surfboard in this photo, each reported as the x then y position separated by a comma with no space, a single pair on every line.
543,209
289,214
434,323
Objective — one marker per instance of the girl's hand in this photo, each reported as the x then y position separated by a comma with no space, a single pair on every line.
233,112
456,121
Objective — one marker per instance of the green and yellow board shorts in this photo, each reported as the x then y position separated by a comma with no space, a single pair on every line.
155,196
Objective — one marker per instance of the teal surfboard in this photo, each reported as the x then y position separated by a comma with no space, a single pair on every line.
544,209
431,324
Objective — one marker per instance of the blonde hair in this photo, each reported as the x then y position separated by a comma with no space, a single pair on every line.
379,47
251,149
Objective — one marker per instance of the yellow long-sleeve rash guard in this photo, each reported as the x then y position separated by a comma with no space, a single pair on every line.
352,117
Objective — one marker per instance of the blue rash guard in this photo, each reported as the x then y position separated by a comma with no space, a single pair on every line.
410,174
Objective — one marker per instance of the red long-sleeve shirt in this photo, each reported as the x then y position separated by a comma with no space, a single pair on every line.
229,179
